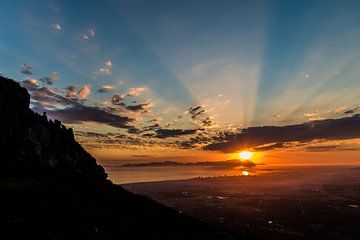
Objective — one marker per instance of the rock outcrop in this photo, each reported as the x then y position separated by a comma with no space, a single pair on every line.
33,145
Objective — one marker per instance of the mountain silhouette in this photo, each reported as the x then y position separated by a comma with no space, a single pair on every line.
51,188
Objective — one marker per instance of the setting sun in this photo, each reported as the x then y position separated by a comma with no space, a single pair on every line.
245,155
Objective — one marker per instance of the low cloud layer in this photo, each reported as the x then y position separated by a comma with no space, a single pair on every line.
269,137
166,133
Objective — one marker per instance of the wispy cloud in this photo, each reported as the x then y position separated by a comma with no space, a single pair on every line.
105,88
56,26
26,69
50,79
105,69
90,33
134,92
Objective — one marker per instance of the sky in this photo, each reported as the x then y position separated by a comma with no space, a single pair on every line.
193,80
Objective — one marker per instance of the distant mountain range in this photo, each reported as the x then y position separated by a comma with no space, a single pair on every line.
51,188
221,164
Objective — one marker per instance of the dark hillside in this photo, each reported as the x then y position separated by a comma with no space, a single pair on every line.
51,188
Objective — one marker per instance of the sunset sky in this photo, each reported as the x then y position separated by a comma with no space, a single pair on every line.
193,80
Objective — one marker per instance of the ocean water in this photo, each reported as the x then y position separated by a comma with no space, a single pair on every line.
122,175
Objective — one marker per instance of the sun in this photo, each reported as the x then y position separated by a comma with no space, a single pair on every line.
245,155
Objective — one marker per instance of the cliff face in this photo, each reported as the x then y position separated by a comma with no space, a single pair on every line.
33,145
51,188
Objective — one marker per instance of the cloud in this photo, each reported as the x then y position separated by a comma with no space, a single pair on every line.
56,26
139,107
30,83
207,122
117,99
92,134
276,136
79,113
48,97
321,148
141,156
133,130
105,69
26,69
195,111
89,33
108,63
134,92
166,133
351,111
50,79
84,92
151,127
313,116
77,94
105,88
67,106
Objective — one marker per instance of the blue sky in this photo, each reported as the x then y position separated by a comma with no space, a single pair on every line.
246,63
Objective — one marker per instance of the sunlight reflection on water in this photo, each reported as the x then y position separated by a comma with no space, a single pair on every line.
121,175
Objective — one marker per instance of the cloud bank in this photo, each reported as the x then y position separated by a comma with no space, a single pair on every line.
269,137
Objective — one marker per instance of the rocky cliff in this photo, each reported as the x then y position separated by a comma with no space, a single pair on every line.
33,145
51,188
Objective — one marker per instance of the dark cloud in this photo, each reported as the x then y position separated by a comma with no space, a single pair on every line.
117,99
193,110
69,108
134,130
194,116
140,156
26,69
70,91
255,137
50,79
48,97
195,141
206,122
101,90
105,88
323,148
138,107
151,127
196,111
154,120
77,94
351,111
269,146
166,133
79,113
92,134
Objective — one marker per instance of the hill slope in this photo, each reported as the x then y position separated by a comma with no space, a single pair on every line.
51,188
